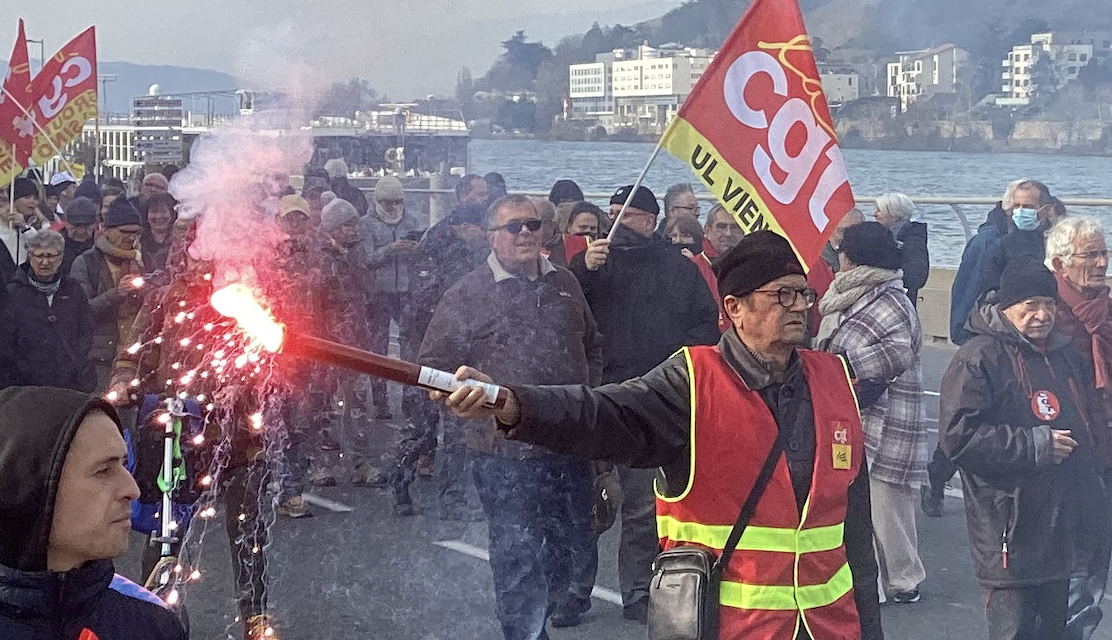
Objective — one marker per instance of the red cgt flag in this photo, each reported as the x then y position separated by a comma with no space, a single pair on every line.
64,97
757,131
15,129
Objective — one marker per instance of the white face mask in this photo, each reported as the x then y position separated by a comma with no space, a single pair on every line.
390,218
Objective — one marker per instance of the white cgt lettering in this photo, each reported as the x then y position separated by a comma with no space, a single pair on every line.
832,179
53,103
774,154
796,168
739,74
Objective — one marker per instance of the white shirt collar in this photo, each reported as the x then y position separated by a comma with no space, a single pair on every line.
501,274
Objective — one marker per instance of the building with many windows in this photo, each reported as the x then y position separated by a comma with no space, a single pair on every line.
639,88
1048,63
926,72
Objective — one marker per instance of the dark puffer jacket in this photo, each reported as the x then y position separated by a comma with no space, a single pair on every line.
1001,396
37,426
50,341
912,239
649,300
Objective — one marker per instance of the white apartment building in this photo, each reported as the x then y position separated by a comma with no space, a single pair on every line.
840,85
926,72
1050,57
641,88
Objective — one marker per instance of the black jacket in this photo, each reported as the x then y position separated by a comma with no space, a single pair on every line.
73,249
644,422
37,426
7,347
1005,249
912,239
50,342
345,190
1052,516
649,300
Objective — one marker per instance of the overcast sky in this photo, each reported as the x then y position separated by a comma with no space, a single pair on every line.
405,47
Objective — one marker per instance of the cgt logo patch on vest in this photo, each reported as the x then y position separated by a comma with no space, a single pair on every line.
87,634
842,451
1045,406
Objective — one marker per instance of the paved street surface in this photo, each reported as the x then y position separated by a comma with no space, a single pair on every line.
366,574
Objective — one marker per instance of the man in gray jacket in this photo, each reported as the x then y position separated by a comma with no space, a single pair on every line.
390,237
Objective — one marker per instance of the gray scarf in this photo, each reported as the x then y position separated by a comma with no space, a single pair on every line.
46,288
847,288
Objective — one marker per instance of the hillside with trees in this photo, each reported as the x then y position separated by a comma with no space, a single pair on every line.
525,87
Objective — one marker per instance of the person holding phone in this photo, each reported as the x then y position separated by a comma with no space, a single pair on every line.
390,237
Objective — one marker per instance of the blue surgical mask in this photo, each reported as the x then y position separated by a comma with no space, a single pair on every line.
1026,219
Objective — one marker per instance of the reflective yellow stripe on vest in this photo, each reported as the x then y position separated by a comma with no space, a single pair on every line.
754,538
786,598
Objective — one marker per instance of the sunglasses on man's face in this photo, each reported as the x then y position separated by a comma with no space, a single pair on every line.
515,226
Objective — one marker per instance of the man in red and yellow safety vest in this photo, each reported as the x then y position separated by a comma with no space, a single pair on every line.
708,417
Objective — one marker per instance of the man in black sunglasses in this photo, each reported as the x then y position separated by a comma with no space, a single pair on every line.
527,320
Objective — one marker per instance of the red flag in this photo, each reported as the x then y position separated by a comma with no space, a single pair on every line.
15,129
757,131
64,97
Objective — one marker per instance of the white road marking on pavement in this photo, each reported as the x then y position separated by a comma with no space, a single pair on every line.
606,595
325,503
932,393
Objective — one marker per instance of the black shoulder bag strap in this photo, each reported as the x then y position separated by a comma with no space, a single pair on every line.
750,506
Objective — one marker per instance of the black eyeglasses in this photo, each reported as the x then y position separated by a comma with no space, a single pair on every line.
787,296
514,226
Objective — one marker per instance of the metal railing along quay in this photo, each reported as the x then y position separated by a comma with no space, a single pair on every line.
954,202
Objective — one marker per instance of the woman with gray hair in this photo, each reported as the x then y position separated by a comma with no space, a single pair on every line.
1077,254
51,329
894,211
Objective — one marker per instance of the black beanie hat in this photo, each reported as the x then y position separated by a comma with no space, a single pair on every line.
565,191
24,187
121,213
1024,278
757,260
643,199
870,244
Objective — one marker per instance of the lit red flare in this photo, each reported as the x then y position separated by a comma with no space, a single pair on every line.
236,301
239,303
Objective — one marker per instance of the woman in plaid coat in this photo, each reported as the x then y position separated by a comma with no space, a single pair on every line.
868,318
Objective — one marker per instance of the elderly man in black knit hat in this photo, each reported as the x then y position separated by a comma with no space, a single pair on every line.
755,421
111,276
1016,417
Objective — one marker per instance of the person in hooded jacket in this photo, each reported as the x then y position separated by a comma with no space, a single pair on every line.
390,235
65,515
963,296
1015,417
337,171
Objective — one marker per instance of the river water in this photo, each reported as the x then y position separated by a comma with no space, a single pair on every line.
603,166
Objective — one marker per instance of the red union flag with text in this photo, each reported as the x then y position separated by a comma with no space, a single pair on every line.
63,97
757,131
16,131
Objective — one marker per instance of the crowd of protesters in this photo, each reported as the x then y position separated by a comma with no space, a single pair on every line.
1025,403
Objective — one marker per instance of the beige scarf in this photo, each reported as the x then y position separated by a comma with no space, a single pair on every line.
847,288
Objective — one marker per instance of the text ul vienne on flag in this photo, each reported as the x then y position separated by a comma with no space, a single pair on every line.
63,97
16,132
757,131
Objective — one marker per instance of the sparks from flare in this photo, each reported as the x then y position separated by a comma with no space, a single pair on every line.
237,302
